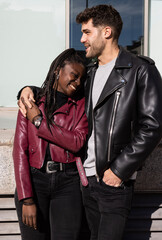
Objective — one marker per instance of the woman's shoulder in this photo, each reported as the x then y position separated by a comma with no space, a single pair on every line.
81,105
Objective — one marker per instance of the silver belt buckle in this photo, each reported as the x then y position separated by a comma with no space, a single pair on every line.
47,167
53,171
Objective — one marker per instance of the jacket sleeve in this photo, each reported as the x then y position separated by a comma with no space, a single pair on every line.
148,127
72,140
20,158
33,88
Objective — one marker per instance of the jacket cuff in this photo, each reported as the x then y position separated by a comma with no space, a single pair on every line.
33,88
118,174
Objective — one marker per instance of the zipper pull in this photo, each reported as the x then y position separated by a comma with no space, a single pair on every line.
97,177
68,156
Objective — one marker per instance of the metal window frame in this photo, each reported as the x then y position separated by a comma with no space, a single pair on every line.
146,27
67,24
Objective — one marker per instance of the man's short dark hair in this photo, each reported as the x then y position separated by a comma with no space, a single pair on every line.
102,15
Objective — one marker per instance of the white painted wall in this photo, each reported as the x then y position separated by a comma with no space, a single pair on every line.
32,34
155,33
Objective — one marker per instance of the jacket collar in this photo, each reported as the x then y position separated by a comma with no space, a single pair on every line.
124,60
70,100
63,109
66,107
116,79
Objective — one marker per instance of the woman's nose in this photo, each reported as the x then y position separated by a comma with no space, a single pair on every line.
78,81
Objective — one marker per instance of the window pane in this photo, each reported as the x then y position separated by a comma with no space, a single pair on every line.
76,6
132,13
32,35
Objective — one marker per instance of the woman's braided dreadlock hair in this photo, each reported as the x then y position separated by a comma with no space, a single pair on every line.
49,87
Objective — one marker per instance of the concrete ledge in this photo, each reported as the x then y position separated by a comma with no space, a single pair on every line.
6,137
8,117
7,178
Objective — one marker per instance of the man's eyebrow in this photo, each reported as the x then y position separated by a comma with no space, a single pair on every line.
85,30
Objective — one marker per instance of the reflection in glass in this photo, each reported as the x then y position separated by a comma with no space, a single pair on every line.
132,13
76,6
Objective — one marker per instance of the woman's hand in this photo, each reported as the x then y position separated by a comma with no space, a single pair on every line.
31,112
29,215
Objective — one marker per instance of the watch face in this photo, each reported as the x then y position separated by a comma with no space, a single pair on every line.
37,121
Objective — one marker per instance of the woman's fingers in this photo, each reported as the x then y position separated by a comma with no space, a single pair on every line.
29,215
35,222
23,218
30,221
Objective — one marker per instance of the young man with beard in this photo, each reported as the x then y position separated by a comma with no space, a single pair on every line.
123,97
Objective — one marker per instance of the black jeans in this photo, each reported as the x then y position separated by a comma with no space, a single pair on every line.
107,208
59,202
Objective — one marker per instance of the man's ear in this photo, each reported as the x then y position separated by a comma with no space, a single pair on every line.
107,32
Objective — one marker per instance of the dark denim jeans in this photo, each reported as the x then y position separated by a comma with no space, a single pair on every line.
59,202
107,208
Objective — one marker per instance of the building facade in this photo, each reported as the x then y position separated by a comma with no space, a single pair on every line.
33,33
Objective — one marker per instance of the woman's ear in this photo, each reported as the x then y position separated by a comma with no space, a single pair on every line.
57,71
57,76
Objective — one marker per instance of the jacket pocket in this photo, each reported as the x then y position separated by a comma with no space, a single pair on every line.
118,148
117,96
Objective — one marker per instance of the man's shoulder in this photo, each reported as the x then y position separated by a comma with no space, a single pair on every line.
146,59
136,59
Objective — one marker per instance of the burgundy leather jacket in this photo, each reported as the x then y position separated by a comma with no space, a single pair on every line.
66,138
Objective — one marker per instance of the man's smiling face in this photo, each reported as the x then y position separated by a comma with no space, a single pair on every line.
92,38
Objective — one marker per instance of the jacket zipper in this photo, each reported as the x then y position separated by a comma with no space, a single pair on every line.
74,114
112,123
68,156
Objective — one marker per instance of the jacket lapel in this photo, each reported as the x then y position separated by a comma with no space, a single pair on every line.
116,79
88,90
114,82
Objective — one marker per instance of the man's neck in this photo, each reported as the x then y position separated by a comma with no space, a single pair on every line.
109,53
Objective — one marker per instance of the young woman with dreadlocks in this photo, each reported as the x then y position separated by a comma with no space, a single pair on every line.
46,145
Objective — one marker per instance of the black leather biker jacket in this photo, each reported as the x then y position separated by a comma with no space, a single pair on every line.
127,116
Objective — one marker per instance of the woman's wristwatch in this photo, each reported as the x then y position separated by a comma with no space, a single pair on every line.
37,121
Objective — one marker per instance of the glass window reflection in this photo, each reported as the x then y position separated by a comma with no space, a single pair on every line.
132,13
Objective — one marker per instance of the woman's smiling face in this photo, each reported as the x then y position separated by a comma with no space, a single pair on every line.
70,78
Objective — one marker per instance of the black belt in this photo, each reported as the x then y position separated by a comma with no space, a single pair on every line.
52,167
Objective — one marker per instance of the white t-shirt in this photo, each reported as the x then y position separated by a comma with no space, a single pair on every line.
101,77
